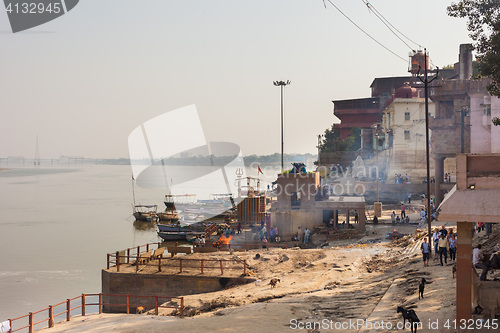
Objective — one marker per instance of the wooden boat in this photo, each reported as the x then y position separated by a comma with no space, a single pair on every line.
179,235
173,228
168,215
181,199
145,213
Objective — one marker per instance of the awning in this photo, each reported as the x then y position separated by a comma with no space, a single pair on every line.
470,206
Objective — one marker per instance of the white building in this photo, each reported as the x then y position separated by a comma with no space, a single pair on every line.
403,124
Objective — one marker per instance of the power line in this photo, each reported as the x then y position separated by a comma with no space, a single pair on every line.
389,25
357,26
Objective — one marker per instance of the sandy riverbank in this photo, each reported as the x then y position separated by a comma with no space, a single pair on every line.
331,286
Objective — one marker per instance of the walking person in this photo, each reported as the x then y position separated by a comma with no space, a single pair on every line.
453,247
443,249
435,238
426,252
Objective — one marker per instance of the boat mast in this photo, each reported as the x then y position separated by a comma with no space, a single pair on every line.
133,190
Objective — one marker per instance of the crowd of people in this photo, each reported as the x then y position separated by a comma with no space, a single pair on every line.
444,242
396,219
399,179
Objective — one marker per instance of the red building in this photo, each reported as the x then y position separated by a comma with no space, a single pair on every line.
364,112
361,112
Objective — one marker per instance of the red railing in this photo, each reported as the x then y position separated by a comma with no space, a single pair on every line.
253,246
133,256
131,252
83,305
183,265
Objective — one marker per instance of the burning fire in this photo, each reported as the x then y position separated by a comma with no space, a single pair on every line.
223,240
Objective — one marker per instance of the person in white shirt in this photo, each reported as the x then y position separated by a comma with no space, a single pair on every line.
435,238
306,235
477,261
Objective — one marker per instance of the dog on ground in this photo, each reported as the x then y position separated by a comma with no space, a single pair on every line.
421,288
454,270
140,309
411,316
274,282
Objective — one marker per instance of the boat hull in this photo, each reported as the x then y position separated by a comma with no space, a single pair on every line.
144,217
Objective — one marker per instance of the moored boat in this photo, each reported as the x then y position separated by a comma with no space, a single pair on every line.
173,228
179,235
145,213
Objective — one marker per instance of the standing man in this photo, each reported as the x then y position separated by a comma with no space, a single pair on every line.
306,235
422,215
403,213
443,249
426,252
393,217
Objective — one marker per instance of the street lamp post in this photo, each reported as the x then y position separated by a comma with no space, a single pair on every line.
320,136
282,84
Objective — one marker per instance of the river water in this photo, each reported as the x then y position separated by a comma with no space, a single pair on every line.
56,226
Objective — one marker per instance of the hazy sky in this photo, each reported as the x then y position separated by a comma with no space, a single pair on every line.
84,81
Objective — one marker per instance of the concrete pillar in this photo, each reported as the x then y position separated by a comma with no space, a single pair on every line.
439,176
377,209
347,219
464,271
362,220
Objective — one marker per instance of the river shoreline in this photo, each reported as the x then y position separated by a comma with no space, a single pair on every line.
348,280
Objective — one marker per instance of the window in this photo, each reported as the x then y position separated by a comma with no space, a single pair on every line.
295,199
407,135
446,109
407,115
487,110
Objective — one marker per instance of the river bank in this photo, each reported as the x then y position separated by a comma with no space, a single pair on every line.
319,289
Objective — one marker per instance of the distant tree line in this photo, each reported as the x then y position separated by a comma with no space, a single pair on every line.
208,160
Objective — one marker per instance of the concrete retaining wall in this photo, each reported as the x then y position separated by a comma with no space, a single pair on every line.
157,284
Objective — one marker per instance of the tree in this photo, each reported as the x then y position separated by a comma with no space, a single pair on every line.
484,28
332,142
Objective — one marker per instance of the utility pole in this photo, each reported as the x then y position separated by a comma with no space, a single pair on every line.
426,87
282,84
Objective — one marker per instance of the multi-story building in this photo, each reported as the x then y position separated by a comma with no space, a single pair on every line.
404,131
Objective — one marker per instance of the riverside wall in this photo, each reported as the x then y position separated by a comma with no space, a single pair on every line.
158,284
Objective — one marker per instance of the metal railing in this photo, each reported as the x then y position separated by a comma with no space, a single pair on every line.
130,253
142,256
181,265
84,306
